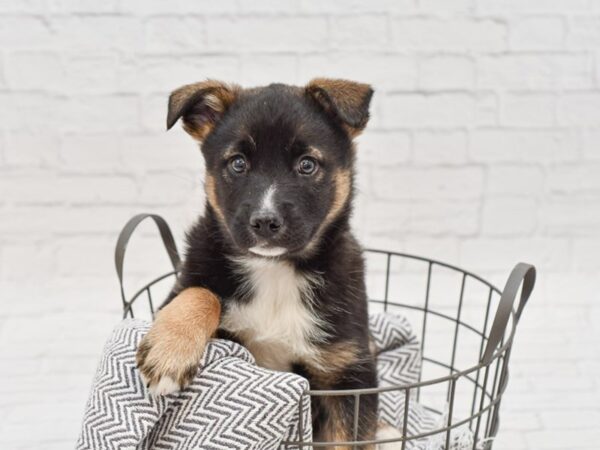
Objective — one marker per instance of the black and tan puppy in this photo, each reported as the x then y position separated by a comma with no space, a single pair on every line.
273,263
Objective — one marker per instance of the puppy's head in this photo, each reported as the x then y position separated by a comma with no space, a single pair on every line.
279,158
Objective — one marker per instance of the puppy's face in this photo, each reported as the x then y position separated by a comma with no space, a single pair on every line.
279,158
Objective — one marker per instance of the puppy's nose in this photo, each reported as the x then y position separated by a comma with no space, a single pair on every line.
265,224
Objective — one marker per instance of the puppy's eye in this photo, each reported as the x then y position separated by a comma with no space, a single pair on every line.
238,164
307,166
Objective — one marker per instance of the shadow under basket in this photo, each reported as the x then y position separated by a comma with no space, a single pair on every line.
464,325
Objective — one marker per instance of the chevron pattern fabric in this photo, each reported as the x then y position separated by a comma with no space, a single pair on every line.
399,363
234,404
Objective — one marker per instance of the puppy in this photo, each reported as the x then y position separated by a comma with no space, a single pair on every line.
272,263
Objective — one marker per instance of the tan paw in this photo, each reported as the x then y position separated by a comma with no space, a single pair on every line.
167,363
169,355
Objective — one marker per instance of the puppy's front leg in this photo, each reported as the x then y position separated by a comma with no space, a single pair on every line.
339,421
168,356
348,366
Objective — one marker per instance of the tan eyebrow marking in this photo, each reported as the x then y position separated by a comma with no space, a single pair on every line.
315,152
229,152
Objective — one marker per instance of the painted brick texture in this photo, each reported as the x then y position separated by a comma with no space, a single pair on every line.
483,150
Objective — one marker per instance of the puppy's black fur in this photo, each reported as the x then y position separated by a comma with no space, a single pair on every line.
258,139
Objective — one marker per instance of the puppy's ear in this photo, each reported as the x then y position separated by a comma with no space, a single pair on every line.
201,105
347,101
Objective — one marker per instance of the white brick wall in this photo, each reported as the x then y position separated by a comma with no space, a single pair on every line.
483,150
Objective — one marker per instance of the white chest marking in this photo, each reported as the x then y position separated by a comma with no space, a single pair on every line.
277,324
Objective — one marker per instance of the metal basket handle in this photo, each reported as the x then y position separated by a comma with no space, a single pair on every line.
522,274
125,235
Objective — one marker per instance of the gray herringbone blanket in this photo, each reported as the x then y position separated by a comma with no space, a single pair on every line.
232,403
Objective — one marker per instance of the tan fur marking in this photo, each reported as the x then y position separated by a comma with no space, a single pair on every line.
343,186
342,192
335,430
219,95
229,152
216,95
174,345
315,153
211,195
386,431
352,91
372,346
198,132
338,427
334,359
353,132
343,96
217,103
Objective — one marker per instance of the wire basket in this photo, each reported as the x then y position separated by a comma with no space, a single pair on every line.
466,327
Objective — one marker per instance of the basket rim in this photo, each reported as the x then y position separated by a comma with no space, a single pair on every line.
399,387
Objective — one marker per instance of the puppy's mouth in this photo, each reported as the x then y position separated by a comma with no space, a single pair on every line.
291,248
270,252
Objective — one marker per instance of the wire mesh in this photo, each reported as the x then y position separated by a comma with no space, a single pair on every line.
461,383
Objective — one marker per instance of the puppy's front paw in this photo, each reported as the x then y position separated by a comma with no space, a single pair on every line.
169,355
385,431
166,361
